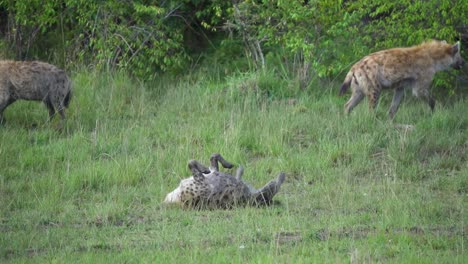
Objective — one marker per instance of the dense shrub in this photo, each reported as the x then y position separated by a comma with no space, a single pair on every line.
331,35
143,36
320,38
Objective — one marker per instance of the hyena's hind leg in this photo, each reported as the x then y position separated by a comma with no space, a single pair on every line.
61,111
264,196
215,158
53,109
355,99
50,107
374,95
398,95
64,104
239,173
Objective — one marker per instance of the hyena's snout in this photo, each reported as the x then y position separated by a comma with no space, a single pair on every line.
459,64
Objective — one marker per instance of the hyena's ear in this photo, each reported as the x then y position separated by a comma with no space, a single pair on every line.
456,48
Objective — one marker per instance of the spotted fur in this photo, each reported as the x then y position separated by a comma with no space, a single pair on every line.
210,188
36,81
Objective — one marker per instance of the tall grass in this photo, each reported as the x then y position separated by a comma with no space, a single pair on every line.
358,188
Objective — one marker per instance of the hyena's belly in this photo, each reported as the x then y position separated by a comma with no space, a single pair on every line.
397,83
29,91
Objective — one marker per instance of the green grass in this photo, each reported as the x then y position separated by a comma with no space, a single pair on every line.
358,188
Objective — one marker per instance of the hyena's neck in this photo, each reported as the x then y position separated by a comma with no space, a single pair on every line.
441,59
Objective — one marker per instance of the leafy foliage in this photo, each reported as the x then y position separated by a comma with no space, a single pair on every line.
132,35
143,36
320,38
331,35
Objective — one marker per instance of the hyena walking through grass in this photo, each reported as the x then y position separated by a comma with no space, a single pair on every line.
37,81
399,68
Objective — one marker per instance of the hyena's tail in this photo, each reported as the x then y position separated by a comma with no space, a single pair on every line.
68,97
66,101
347,82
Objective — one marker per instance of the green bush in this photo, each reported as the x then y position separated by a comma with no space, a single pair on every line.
142,37
328,36
314,38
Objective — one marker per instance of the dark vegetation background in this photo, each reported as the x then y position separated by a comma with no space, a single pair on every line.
304,39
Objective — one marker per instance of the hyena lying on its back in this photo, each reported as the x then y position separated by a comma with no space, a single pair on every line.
399,68
210,188
37,81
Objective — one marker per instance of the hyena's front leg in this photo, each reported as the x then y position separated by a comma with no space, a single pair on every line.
215,158
421,89
399,92
4,103
196,167
355,99
429,99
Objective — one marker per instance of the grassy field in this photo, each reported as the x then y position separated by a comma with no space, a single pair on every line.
358,189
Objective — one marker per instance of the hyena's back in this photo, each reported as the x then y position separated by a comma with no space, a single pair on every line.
34,80
399,68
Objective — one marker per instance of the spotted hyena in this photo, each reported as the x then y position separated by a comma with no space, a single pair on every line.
399,68
208,187
37,81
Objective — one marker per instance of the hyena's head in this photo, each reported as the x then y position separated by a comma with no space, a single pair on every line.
457,60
